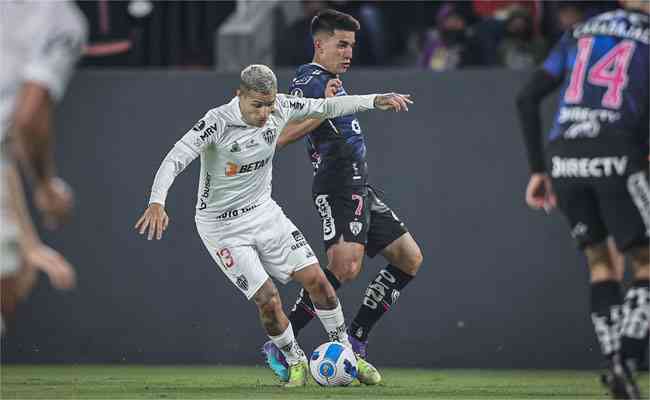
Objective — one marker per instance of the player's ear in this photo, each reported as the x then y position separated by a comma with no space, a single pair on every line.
318,44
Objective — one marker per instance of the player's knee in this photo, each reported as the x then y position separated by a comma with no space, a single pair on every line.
640,259
599,261
412,261
346,270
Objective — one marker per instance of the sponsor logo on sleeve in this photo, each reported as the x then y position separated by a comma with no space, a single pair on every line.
209,131
198,127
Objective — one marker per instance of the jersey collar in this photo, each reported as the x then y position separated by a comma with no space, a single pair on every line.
321,67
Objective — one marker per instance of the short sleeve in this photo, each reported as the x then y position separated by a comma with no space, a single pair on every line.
57,48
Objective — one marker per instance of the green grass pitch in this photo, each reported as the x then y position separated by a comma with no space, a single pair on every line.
223,382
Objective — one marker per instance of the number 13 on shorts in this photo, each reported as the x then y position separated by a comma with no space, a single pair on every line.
226,258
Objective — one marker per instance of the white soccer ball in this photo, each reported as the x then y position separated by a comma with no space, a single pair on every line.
333,364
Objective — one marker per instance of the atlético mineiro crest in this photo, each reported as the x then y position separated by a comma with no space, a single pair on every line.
242,282
269,136
355,227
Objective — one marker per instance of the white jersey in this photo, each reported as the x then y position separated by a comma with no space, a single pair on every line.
40,41
236,158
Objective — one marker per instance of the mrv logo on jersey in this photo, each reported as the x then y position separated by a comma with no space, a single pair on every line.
588,167
233,169
200,126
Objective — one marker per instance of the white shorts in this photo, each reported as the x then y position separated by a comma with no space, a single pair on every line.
261,243
9,250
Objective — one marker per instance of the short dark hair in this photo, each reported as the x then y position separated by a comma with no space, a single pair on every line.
329,20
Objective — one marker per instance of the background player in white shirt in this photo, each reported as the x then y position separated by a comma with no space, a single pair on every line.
243,229
40,43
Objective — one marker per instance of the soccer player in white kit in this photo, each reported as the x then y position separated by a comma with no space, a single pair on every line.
40,42
241,226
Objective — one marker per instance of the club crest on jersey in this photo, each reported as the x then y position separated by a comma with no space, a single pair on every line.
269,136
199,126
235,148
297,92
355,227
242,282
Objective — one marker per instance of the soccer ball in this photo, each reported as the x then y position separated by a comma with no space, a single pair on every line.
333,364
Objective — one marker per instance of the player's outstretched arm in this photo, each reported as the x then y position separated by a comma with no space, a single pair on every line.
154,220
345,105
393,101
295,131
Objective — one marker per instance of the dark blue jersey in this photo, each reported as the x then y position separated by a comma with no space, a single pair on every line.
604,66
337,147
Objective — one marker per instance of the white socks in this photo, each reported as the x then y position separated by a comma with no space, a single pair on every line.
288,345
334,324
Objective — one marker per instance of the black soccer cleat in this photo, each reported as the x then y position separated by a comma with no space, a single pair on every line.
620,380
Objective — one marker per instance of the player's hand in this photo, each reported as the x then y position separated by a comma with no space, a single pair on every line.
155,219
333,86
58,269
55,200
540,194
393,101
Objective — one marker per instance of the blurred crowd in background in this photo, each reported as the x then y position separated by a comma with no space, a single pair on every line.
433,35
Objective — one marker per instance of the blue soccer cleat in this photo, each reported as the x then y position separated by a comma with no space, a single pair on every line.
276,361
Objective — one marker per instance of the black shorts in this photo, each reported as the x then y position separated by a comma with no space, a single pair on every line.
359,216
603,191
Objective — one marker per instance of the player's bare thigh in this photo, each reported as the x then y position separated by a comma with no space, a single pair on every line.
600,262
404,253
640,256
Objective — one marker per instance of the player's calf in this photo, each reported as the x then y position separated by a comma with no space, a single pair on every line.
381,295
303,310
635,323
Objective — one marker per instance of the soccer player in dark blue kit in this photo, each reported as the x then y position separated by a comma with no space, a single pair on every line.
355,220
596,170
